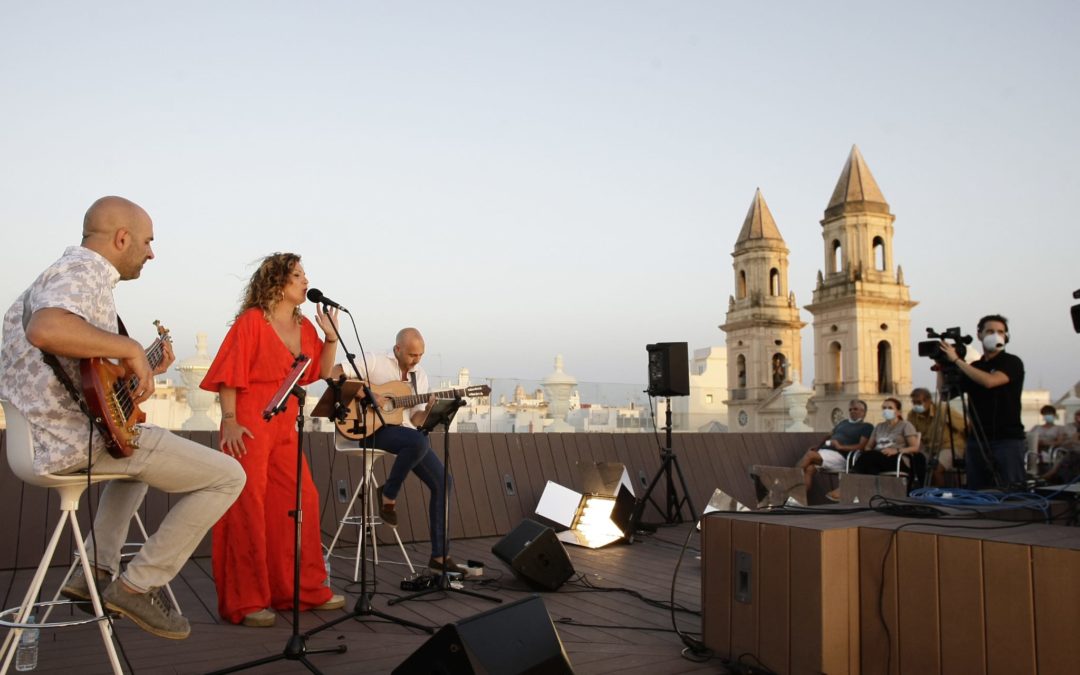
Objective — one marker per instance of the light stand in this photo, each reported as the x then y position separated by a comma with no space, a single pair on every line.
296,647
363,606
442,413
668,460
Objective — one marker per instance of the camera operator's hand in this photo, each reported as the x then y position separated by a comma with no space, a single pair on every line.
949,351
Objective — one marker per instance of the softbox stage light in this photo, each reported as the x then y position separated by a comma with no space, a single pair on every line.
593,520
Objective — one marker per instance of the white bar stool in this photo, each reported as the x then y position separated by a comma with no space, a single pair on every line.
20,453
365,521
133,547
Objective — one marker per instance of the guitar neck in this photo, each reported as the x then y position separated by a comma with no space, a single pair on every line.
417,399
155,354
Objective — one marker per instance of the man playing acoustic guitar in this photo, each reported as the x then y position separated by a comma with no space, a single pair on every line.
411,448
69,312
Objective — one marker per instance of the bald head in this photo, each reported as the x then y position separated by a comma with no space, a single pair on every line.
121,231
108,214
409,348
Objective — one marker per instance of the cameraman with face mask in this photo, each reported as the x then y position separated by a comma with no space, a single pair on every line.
995,443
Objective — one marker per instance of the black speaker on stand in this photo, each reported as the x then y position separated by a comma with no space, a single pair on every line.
669,375
514,639
669,369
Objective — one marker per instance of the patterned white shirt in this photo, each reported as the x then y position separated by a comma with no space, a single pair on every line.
80,282
384,367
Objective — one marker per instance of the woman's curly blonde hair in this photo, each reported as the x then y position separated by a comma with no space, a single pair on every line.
264,290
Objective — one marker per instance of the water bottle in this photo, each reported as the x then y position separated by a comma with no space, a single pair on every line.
326,559
26,654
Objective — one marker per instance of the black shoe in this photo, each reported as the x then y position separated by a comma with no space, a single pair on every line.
386,511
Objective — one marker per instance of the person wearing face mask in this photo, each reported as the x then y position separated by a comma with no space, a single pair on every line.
993,384
847,436
1042,440
891,437
941,431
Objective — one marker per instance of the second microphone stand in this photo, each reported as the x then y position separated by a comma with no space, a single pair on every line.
363,607
441,414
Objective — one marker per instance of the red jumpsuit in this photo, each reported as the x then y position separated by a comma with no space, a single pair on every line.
253,541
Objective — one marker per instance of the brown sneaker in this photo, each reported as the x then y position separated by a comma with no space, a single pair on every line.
77,587
264,618
446,565
386,511
335,602
151,611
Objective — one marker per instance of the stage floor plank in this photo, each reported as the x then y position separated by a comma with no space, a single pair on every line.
603,632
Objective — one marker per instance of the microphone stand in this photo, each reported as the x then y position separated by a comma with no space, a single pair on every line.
296,648
364,606
443,415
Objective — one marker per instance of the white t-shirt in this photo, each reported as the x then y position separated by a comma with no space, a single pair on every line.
383,367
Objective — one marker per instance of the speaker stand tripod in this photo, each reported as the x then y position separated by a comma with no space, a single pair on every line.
673,507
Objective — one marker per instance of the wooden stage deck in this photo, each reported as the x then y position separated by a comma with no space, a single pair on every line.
498,479
619,644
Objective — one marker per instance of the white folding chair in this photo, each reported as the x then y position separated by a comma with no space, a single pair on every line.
369,517
20,453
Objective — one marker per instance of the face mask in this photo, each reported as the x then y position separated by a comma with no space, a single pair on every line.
993,342
1050,419
918,408
853,420
889,414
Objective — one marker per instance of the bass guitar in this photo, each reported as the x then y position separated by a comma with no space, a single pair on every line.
395,398
109,390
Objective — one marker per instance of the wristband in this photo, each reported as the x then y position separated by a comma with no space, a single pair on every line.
228,416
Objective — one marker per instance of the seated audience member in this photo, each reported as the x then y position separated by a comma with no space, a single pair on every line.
1067,467
890,438
941,431
847,436
1072,429
1042,440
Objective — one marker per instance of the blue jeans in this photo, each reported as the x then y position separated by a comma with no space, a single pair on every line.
1008,454
413,452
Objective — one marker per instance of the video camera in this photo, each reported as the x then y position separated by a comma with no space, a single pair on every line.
949,371
932,348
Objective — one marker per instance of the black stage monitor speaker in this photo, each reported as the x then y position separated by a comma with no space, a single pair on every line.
514,639
669,370
536,555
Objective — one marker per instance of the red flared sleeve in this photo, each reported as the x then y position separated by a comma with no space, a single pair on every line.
235,359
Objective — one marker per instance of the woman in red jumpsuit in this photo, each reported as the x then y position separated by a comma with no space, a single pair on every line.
253,541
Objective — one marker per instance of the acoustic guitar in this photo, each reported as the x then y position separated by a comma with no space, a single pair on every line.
396,398
109,390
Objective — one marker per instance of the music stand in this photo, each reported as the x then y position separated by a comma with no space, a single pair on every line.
332,405
296,647
442,413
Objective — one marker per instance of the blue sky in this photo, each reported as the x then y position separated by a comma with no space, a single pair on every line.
520,179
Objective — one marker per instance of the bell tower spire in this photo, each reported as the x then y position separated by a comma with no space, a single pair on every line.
764,343
861,306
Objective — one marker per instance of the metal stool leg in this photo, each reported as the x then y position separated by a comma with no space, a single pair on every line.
393,528
11,641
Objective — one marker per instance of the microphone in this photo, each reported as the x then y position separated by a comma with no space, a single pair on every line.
316,296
